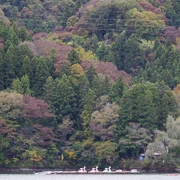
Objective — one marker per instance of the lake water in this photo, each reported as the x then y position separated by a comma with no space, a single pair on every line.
88,177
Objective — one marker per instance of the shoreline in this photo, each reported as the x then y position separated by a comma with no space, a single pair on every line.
72,171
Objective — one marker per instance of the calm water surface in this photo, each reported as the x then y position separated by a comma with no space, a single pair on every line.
87,177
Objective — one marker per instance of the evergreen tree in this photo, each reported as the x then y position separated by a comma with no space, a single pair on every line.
83,86
101,51
24,35
12,36
168,78
65,70
96,86
7,43
9,66
73,57
64,101
80,87
41,74
17,86
22,86
24,51
117,90
89,102
26,68
118,49
167,104
105,86
25,83
134,57
24,56
138,105
49,90
15,28
90,74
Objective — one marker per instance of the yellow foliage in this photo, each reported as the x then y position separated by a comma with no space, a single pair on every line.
145,22
77,70
85,55
177,89
70,154
87,143
72,20
178,41
34,156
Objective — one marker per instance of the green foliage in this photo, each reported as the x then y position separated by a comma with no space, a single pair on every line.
11,105
104,52
62,97
134,56
89,101
97,118
22,86
106,152
118,48
109,16
42,71
139,105
165,65
146,24
117,90
9,65
73,57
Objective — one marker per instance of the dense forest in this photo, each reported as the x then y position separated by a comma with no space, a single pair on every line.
90,82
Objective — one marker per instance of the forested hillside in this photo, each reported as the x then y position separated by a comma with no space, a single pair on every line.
90,82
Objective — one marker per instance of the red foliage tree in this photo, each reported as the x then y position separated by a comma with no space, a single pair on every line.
172,33
149,7
44,135
39,36
35,108
106,69
44,48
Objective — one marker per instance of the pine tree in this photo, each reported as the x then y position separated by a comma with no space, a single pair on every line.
90,74
16,85
24,51
12,36
26,68
118,49
101,51
65,70
41,74
117,90
9,66
15,28
49,90
64,101
80,87
138,105
167,104
24,35
89,102
105,86
134,56
25,83
73,57
22,85
96,86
